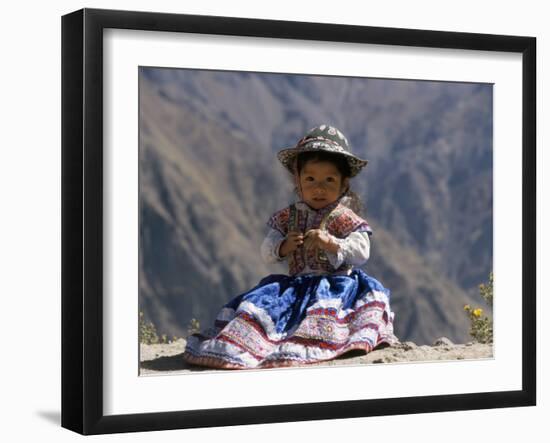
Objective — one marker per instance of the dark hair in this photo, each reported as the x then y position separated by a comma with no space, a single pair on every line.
322,156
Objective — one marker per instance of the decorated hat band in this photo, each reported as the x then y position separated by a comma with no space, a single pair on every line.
322,138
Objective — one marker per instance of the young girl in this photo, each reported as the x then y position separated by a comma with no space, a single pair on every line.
327,305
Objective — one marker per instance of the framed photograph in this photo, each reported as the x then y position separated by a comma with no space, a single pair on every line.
268,221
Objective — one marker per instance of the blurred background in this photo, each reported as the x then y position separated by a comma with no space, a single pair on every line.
209,181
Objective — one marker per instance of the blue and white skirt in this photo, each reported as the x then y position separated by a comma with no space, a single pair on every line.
289,321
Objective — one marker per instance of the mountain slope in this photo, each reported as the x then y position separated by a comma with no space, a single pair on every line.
207,186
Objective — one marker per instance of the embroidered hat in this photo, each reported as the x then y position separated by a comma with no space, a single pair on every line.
322,138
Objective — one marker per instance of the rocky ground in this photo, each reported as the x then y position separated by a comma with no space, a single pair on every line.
167,359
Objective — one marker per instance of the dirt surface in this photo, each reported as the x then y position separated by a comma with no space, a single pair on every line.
166,359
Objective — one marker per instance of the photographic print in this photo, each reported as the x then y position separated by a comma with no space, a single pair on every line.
292,220
250,204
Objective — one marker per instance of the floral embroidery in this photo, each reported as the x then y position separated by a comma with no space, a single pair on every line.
322,335
279,221
337,219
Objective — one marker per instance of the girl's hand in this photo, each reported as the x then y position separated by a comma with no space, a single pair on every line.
292,242
321,239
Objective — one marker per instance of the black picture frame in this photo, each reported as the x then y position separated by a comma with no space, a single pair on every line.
82,220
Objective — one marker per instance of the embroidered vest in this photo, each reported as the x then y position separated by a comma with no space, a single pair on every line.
339,221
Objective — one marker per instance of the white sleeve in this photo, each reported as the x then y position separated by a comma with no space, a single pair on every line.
354,250
270,247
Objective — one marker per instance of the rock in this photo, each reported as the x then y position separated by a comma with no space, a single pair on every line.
408,345
443,341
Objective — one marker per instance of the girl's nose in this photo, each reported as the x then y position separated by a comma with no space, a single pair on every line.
319,190
320,186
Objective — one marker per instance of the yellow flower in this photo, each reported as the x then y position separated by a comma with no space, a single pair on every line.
467,307
477,312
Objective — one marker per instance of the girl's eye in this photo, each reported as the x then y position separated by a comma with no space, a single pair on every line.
330,179
309,179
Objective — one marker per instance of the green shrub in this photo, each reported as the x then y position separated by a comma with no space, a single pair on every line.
147,331
194,327
149,336
481,327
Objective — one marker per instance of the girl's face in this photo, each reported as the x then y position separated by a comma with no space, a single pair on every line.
321,183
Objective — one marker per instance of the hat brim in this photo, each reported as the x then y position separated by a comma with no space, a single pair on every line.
287,157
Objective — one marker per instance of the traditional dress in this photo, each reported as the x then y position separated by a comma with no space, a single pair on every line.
325,307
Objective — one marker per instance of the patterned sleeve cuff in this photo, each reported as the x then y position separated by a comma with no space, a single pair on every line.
276,249
354,250
337,259
270,247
